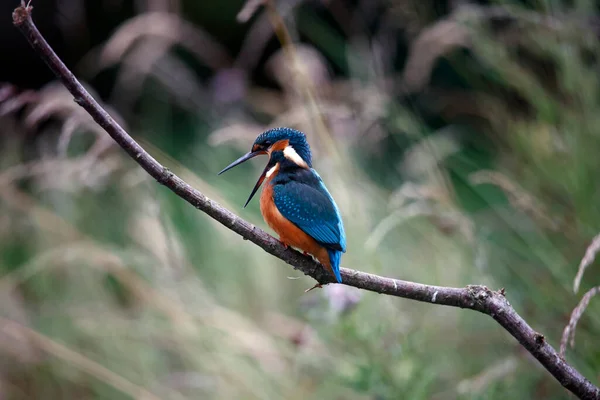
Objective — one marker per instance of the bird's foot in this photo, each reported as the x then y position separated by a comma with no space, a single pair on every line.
283,243
317,285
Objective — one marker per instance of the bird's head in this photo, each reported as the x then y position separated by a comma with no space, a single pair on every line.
278,144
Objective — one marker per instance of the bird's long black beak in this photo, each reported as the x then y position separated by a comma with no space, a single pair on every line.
258,183
242,159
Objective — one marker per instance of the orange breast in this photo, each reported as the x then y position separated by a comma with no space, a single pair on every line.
289,233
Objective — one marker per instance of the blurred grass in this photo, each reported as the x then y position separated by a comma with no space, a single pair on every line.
484,174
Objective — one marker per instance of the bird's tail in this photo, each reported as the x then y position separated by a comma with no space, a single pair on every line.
334,259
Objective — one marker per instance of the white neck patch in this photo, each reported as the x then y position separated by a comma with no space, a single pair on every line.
291,155
272,170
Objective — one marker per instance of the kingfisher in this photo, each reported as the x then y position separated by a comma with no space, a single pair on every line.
294,201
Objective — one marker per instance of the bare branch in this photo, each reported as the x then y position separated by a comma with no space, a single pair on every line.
478,298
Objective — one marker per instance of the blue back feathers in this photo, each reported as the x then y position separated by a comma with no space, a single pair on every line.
301,197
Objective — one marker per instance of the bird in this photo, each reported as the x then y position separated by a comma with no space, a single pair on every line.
294,201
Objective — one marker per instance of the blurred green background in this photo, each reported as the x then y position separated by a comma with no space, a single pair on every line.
460,139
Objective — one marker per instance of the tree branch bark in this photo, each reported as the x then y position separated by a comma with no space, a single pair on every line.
478,298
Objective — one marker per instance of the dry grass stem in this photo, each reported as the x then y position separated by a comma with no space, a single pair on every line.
78,360
517,196
586,261
568,336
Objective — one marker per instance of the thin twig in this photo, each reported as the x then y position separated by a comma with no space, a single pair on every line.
478,298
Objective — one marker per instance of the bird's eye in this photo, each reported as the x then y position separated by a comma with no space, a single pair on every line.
267,143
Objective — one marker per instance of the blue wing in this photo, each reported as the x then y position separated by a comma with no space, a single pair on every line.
309,206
